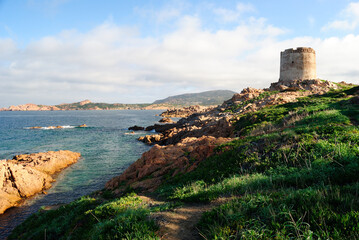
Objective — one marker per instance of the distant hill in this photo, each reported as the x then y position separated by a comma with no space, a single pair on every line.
184,100
207,98
88,105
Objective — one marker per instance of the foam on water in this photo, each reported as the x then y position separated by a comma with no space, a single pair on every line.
53,127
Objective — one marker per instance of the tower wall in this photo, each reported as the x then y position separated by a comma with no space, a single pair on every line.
297,64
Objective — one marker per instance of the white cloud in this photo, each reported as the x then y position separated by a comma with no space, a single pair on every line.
348,20
169,12
112,63
228,15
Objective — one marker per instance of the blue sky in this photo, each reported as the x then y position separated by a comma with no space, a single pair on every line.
54,51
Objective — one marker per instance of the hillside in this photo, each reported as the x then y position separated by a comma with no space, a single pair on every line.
207,98
88,105
203,99
266,164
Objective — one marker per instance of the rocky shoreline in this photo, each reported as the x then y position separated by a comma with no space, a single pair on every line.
184,111
211,161
28,174
180,147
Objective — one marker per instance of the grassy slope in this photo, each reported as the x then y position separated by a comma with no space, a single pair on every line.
292,174
207,98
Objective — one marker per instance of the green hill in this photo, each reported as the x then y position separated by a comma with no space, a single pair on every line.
207,98
87,105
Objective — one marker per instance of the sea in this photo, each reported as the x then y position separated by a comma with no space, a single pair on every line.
106,146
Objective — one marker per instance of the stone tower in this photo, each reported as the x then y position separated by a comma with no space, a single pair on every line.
297,64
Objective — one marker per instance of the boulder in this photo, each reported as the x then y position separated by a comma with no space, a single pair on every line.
166,120
136,128
160,127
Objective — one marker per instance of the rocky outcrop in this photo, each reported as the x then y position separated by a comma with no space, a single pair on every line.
48,162
148,172
136,128
180,147
84,102
316,86
217,122
28,174
195,126
30,107
184,112
166,120
160,127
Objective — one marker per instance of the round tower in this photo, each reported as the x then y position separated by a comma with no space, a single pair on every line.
297,64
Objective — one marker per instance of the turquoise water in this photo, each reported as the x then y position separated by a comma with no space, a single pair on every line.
105,147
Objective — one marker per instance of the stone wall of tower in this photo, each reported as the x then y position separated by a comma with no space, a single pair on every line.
297,64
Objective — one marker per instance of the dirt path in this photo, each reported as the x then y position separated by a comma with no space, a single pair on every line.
180,223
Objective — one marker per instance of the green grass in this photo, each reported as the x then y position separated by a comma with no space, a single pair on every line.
89,218
293,173
310,213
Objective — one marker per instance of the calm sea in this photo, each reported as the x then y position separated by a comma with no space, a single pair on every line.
105,147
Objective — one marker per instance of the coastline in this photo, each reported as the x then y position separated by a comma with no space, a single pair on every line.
178,153
29,174
104,145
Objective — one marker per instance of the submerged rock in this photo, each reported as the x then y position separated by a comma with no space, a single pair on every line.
28,174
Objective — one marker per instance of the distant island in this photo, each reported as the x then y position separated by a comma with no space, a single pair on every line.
208,98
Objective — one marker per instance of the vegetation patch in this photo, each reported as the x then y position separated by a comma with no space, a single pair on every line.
293,173
90,218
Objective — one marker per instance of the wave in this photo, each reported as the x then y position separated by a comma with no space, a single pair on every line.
55,127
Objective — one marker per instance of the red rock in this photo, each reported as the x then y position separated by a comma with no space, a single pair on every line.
166,120
27,175
185,111
161,160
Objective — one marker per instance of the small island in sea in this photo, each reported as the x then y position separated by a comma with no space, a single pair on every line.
273,163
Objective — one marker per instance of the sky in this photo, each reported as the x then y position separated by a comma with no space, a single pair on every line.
122,51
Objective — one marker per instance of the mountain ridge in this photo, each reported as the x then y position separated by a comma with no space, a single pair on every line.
206,98
213,97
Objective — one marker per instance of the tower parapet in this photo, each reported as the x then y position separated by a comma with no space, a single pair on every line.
297,64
